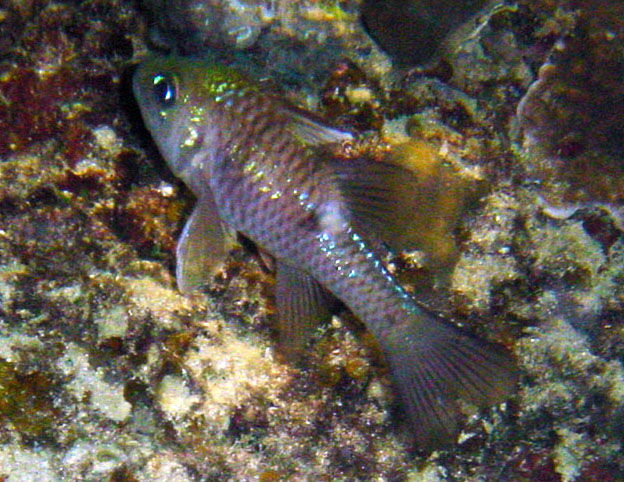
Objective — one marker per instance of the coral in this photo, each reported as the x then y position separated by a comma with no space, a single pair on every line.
299,41
19,463
486,260
415,31
174,397
233,24
106,398
569,118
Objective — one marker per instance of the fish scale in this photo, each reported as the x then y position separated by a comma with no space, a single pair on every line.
256,166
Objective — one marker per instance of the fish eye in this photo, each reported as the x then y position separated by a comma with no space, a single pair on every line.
164,90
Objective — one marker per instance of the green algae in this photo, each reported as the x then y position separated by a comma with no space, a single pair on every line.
26,403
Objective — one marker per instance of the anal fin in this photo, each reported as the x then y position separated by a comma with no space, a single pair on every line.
302,304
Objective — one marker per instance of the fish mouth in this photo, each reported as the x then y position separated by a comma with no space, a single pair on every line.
171,148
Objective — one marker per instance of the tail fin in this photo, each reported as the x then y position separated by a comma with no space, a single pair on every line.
434,365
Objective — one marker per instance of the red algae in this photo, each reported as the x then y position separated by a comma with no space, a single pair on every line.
532,465
149,217
35,108
54,90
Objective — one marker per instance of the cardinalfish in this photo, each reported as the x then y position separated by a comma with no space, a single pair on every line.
260,166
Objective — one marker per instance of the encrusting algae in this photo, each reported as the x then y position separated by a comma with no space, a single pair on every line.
259,166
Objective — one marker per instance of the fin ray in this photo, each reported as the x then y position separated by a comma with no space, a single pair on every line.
434,365
312,129
381,196
202,246
302,304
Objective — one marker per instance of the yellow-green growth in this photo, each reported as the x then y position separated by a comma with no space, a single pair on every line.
25,402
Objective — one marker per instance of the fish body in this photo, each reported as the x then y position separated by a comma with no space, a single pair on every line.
255,165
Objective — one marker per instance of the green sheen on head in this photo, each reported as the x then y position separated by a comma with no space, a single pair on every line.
177,97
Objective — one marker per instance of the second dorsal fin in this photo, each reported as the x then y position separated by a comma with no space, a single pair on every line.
417,206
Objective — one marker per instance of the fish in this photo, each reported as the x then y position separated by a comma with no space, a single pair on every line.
261,167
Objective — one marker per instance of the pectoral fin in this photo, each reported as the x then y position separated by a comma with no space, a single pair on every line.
202,247
302,304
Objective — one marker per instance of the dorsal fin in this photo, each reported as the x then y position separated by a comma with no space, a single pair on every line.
312,129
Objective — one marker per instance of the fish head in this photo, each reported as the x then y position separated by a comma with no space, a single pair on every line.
179,99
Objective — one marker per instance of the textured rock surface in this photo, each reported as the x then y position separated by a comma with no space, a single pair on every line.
108,373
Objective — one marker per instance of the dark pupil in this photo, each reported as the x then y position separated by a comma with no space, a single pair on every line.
164,90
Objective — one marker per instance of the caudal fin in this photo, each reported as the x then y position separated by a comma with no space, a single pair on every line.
434,365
